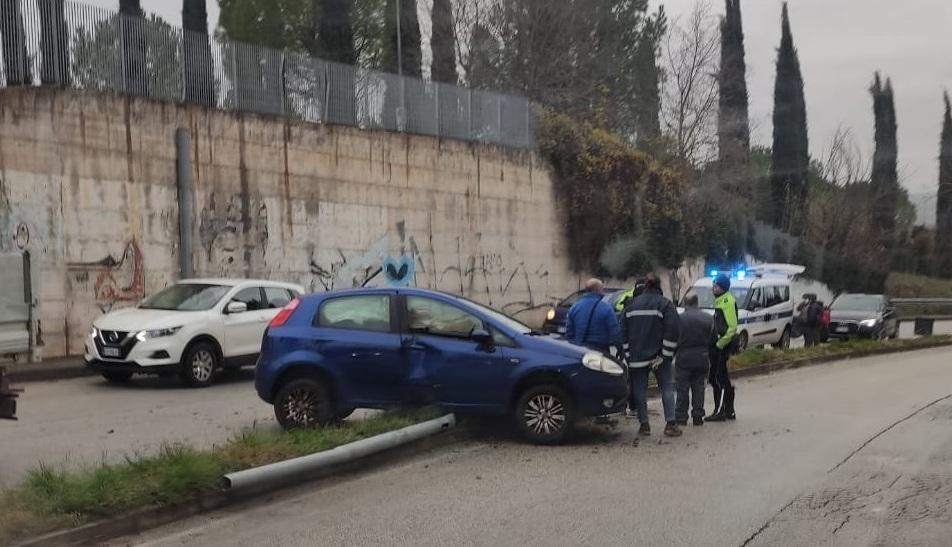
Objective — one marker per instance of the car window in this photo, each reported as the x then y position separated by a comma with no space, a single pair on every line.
370,313
756,299
251,297
186,297
705,296
434,317
277,297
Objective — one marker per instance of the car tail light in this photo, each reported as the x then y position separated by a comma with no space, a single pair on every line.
285,314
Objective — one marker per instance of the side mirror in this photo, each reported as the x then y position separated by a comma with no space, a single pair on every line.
482,336
234,307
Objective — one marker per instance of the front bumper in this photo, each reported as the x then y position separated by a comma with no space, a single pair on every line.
845,331
598,393
133,367
156,352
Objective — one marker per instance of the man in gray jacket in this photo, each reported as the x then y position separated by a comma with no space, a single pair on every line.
693,361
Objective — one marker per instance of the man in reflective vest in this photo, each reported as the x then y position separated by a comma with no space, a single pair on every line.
725,325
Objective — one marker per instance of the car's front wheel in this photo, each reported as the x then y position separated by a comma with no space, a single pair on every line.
742,341
199,365
304,403
545,414
784,342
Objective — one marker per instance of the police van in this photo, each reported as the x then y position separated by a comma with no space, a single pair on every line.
765,302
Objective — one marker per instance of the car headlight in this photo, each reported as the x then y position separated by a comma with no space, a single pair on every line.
869,323
93,332
144,335
550,315
599,363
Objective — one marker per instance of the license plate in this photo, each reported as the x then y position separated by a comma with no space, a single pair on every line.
842,328
110,352
561,330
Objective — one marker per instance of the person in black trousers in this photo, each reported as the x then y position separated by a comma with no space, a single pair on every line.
693,361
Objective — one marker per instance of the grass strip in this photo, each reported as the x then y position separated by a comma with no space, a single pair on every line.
53,497
757,356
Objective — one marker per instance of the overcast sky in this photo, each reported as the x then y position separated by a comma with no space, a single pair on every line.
841,44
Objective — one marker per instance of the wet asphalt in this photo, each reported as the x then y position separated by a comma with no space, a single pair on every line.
856,453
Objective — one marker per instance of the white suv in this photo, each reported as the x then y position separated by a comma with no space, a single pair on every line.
192,328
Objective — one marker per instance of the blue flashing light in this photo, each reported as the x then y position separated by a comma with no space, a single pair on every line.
741,275
714,273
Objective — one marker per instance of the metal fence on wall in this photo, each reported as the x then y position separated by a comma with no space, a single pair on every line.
52,42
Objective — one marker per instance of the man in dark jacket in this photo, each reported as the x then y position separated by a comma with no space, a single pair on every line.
693,362
592,322
651,331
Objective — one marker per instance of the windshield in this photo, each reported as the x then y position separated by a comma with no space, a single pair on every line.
857,302
500,317
705,296
611,295
186,297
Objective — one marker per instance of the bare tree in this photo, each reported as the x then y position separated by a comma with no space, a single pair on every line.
843,161
689,88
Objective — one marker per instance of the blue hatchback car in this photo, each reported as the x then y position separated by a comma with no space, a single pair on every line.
325,355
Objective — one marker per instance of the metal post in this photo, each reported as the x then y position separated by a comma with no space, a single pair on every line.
469,108
183,163
439,126
122,53
399,43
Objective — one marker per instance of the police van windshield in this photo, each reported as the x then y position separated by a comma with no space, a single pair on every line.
705,296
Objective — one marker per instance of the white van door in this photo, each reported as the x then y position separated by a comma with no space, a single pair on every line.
779,312
756,318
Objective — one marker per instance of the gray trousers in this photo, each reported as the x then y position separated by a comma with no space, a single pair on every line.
690,383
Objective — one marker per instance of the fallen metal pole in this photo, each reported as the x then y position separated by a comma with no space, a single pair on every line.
282,472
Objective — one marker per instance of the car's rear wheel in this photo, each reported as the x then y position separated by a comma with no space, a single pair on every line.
116,377
304,403
545,414
199,365
784,342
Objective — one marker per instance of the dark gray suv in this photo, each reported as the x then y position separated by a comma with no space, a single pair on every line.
863,316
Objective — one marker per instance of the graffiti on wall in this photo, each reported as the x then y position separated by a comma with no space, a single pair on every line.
395,259
234,232
113,280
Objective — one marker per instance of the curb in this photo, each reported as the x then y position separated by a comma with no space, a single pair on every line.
42,372
145,519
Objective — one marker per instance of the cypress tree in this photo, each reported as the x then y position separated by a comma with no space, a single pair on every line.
335,31
54,43
943,248
133,47
199,71
885,176
410,41
733,123
791,156
444,43
16,61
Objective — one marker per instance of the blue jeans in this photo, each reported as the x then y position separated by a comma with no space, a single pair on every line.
639,390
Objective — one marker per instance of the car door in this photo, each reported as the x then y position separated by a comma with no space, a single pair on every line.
357,338
446,365
757,325
774,317
243,331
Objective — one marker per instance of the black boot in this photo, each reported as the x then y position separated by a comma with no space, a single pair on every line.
718,394
729,404
720,416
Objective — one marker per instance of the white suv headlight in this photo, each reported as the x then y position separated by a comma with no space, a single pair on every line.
599,363
93,332
869,323
144,335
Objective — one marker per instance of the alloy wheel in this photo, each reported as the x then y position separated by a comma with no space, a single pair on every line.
302,407
203,365
545,414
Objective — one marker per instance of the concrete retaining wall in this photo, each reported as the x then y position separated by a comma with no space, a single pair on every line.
88,187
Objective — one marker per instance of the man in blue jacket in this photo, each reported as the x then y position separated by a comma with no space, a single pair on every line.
592,322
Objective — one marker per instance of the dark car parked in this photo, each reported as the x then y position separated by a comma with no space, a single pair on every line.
862,316
557,316
325,355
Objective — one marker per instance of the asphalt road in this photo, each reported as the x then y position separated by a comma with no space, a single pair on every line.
852,454
87,420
